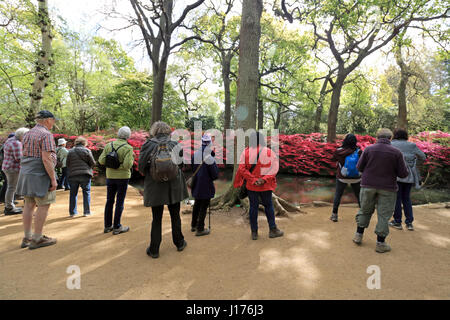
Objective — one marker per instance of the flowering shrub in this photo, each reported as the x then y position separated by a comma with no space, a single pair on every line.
306,154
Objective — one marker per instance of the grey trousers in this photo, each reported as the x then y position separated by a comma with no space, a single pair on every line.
385,203
12,177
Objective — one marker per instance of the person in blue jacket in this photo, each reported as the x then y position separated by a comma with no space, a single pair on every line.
203,185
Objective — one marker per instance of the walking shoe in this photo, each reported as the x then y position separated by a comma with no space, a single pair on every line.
10,212
334,217
181,248
357,238
122,229
409,226
43,242
204,232
254,235
25,243
382,247
153,255
74,215
275,232
87,214
109,229
193,229
396,225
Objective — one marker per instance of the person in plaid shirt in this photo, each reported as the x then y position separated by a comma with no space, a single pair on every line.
37,179
11,166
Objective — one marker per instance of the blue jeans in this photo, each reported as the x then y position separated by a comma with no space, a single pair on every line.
115,187
266,200
63,180
403,197
85,183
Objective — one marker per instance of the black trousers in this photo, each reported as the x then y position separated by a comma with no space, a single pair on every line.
340,187
199,213
155,234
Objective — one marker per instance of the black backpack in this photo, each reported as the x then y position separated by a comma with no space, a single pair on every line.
112,158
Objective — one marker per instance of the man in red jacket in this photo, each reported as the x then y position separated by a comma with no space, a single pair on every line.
380,165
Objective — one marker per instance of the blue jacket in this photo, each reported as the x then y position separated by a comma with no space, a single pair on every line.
204,179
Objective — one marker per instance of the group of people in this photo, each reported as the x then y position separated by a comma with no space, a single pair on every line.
385,173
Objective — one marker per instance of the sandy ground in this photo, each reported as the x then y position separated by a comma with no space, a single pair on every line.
316,258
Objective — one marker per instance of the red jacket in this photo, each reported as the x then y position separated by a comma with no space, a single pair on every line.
266,169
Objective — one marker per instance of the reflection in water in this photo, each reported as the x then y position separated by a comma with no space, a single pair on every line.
304,189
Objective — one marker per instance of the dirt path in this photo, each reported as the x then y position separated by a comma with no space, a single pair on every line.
316,258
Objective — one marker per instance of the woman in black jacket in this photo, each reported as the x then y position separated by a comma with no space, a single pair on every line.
79,164
158,194
203,189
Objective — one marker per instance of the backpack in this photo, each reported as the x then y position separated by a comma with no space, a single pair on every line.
349,169
112,158
162,168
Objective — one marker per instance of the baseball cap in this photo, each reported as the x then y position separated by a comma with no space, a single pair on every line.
45,114
61,141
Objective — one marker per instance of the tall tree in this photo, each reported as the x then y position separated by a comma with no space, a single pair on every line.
43,63
355,29
157,25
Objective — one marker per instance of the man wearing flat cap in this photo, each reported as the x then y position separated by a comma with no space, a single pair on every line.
37,179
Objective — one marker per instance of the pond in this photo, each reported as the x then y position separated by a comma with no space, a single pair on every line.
305,189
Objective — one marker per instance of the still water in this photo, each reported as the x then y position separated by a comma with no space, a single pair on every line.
305,189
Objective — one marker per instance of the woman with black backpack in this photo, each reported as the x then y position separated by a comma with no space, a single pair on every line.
164,184
118,157
348,148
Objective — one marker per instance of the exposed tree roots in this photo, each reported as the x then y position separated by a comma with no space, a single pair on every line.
230,198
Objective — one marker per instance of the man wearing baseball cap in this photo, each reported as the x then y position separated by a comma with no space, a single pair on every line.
37,179
61,156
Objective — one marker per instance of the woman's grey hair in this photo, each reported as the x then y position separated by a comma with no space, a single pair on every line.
124,133
20,132
160,127
81,140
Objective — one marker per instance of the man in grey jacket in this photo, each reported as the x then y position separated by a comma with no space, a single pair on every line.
380,165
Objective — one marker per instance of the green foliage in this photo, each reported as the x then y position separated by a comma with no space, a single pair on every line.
208,122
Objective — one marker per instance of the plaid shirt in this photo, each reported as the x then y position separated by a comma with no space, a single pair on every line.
37,140
12,154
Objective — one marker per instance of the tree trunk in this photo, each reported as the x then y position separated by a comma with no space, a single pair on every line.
276,125
260,114
43,64
334,108
226,68
248,79
402,112
158,91
402,121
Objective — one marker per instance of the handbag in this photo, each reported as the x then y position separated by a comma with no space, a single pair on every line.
190,181
243,192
